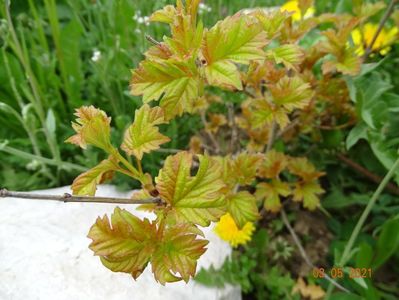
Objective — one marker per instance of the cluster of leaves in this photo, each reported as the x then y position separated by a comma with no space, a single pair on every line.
291,91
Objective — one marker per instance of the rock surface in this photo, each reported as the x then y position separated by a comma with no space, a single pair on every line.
44,255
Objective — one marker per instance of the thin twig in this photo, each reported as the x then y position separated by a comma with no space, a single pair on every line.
272,135
366,173
303,252
287,128
66,198
383,20
210,135
233,139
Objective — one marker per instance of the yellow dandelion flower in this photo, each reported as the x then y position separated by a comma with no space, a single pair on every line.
362,37
293,7
228,231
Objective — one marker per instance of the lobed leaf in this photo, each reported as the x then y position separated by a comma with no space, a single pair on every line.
308,194
177,81
242,207
143,136
197,199
92,127
125,244
165,15
236,39
245,166
290,55
178,252
273,164
291,92
271,192
86,183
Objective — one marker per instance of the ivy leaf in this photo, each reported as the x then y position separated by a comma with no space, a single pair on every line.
291,92
86,183
236,39
178,253
242,207
177,81
92,127
245,167
308,193
125,244
271,193
143,136
197,199
290,55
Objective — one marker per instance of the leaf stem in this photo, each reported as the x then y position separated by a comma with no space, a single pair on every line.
362,220
68,198
134,173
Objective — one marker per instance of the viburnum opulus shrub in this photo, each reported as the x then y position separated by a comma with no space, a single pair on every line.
230,171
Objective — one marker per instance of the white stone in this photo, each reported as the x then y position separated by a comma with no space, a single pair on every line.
44,255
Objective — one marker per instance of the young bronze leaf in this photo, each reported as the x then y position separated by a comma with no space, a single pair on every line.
308,193
186,38
176,81
86,183
165,15
236,39
125,244
92,127
273,164
177,253
197,199
291,92
215,121
271,193
242,207
302,167
263,113
272,21
290,55
245,167
143,136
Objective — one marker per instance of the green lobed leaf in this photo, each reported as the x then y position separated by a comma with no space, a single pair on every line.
143,135
242,208
177,81
197,198
86,183
236,39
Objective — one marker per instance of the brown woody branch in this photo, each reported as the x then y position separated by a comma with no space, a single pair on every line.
366,173
4,193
